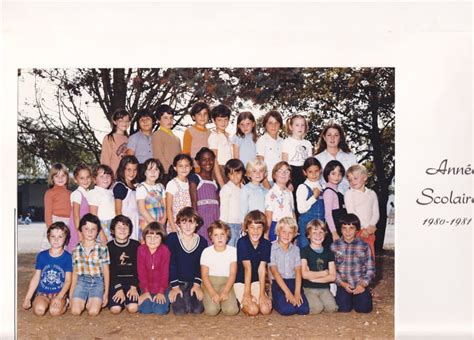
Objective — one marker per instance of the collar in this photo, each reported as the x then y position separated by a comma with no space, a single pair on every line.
165,130
122,245
82,190
200,128
270,137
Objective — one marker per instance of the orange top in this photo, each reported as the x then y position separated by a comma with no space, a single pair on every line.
56,202
113,150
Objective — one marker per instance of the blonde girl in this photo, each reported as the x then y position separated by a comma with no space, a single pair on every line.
252,194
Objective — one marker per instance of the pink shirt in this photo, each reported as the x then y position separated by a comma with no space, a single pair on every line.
153,269
364,204
331,202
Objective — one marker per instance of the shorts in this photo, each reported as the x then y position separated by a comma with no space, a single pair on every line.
127,301
88,287
239,289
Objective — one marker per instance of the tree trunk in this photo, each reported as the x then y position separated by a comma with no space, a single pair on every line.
119,85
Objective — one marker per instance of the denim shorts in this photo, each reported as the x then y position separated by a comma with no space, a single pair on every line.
89,286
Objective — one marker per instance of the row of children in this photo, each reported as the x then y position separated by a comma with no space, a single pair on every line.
180,270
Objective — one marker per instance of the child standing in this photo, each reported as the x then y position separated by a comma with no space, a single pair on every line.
334,207
79,204
363,202
252,195
101,199
177,189
52,277
318,269
218,271
57,206
114,145
253,254
309,199
186,247
90,278
355,268
124,193
165,144
195,137
205,193
219,141
285,266
123,267
139,144
279,199
150,195
153,259
243,143
230,198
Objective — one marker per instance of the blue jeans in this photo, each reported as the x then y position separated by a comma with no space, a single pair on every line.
89,286
235,229
152,307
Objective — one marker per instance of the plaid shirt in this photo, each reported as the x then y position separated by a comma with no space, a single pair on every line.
354,263
92,263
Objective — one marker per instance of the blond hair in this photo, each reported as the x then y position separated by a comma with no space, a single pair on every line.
314,224
357,168
55,169
286,221
255,163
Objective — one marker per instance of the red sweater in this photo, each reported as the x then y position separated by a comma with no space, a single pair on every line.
153,269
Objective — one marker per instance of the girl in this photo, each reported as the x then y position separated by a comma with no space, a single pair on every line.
204,193
279,201
90,278
310,203
79,204
101,199
52,277
124,193
252,195
332,145
177,189
334,207
153,259
186,247
269,145
285,266
243,143
151,194
114,145
295,149
218,270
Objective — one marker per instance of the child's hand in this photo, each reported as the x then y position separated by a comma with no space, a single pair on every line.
364,233
56,301
316,192
174,292
290,187
215,298
132,293
197,291
119,296
298,299
26,303
265,300
160,298
105,299
143,297
371,229
347,287
224,296
247,299
335,236
290,298
358,289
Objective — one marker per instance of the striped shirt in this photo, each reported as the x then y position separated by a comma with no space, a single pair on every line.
90,263
354,263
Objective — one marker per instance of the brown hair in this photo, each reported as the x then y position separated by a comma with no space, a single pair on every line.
290,121
189,214
313,224
155,228
278,166
60,226
274,114
218,225
321,145
243,116
55,169
255,217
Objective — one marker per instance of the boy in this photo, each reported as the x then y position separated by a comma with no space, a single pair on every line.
253,254
123,267
363,202
90,278
318,269
195,137
165,144
219,141
139,144
355,268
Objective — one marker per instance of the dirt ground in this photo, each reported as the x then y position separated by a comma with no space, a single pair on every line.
378,324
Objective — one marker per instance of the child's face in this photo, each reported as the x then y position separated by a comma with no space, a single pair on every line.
282,175
357,180
221,123
183,168
313,173
272,127
122,124
122,232
202,117
332,138
90,231
57,238
166,121
286,234
349,232
246,126
298,129
219,237
335,176
188,227
206,161
153,240
152,173
316,236
257,174
130,172
145,123
83,178
236,177
255,232
103,180
60,179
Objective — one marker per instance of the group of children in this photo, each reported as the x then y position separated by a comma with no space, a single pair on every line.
202,227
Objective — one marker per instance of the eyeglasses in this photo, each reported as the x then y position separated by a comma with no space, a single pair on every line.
283,172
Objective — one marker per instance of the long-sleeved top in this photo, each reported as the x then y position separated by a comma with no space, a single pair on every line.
185,263
303,202
252,197
153,269
57,203
165,147
346,158
354,262
113,150
230,203
331,202
364,204
123,263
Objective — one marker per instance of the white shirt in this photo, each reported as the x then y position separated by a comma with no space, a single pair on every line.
364,204
230,203
143,189
270,150
76,196
347,159
219,262
279,202
303,202
172,186
297,149
220,142
104,200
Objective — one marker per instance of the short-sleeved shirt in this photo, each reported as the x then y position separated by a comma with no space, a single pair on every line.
172,186
53,271
316,262
247,147
286,261
120,191
279,202
104,200
144,188
90,263
141,146
297,149
247,252
252,197
219,262
270,150
76,196
220,142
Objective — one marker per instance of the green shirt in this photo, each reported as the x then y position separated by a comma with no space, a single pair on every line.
316,262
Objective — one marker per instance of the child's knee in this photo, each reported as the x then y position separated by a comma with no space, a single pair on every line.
250,309
132,308
230,310
76,310
316,308
115,309
212,309
265,309
93,311
39,310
